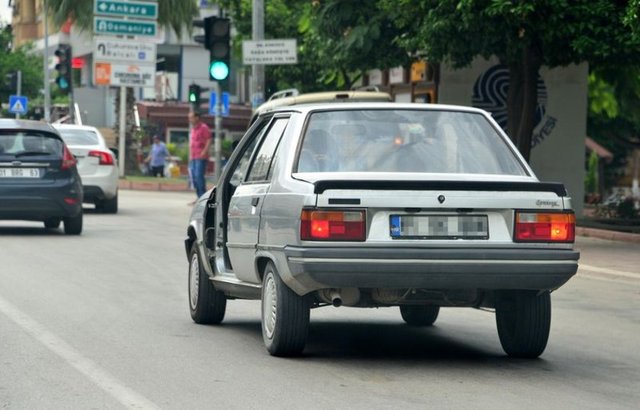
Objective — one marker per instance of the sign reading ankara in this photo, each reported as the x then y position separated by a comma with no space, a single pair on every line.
136,9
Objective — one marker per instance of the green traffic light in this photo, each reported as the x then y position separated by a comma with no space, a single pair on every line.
192,97
219,70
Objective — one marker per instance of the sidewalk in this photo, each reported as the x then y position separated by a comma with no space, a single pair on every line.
179,187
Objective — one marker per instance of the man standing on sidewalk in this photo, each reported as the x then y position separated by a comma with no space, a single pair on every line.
199,143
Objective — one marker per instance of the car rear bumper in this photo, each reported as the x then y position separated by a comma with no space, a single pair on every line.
431,268
40,203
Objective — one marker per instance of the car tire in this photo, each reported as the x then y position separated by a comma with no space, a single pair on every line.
523,319
52,223
109,206
73,225
206,304
421,315
285,316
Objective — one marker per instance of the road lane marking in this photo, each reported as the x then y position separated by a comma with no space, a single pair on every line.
609,271
111,385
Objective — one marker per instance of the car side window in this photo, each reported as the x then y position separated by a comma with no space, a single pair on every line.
262,162
243,165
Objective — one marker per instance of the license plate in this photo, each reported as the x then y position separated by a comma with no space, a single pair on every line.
439,226
19,173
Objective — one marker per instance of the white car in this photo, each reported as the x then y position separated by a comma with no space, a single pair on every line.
97,165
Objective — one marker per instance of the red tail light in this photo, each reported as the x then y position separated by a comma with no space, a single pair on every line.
105,157
68,160
334,225
545,227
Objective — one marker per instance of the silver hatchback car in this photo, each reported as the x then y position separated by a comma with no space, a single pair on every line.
381,205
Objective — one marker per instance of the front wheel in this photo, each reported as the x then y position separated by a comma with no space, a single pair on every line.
423,315
285,316
523,319
206,304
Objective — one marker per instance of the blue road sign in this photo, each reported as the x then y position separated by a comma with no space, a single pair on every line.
18,104
225,104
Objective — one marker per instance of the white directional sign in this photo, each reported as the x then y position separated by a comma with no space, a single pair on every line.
114,49
123,74
270,52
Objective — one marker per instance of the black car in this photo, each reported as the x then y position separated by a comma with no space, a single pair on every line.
38,176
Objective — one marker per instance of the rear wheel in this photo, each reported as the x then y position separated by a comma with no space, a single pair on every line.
285,316
206,304
421,315
523,319
52,223
73,225
109,206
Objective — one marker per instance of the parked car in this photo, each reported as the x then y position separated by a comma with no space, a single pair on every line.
417,206
97,165
39,180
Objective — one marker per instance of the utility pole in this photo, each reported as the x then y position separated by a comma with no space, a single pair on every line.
257,70
217,140
18,87
47,84
122,155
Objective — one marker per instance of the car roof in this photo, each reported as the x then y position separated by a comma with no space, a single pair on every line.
306,108
319,97
75,126
13,124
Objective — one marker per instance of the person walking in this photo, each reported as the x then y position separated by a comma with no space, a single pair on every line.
199,143
157,157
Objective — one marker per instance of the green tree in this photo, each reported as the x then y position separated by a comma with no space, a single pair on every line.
19,59
176,14
524,35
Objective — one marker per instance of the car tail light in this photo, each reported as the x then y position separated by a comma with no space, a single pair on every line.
105,157
334,225
545,227
68,160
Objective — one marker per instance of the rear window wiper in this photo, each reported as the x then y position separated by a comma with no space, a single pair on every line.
31,153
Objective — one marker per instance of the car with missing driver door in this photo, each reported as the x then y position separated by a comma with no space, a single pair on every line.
415,207
39,180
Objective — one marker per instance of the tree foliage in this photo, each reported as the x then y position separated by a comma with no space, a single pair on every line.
522,35
21,59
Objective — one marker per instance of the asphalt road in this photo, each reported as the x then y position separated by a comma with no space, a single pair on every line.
101,321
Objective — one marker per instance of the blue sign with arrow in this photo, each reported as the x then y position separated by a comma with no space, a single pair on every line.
18,104
225,104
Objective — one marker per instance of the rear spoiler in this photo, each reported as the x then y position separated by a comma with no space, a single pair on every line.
555,187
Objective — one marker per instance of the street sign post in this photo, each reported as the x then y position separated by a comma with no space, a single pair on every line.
112,26
18,104
137,9
270,52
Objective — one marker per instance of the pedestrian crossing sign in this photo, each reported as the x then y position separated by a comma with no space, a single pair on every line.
18,104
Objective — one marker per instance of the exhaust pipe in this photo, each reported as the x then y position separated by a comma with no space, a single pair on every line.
336,299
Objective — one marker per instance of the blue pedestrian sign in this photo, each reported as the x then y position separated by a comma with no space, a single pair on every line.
225,104
18,104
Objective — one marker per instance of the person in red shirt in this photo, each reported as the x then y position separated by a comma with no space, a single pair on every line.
199,143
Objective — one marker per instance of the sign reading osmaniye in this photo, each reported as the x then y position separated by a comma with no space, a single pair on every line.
104,25
136,9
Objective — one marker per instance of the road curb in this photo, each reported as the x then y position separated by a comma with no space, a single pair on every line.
152,186
609,235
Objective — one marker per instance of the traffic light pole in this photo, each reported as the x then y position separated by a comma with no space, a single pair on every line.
217,142
47,83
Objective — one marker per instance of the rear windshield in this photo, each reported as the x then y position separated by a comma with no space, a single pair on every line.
29,143
405,141
79,137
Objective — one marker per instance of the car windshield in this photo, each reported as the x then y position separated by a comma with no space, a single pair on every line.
28,143
79,137
405,140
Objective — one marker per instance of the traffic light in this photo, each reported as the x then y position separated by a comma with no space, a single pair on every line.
11,82
64,79
194,95
217,39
